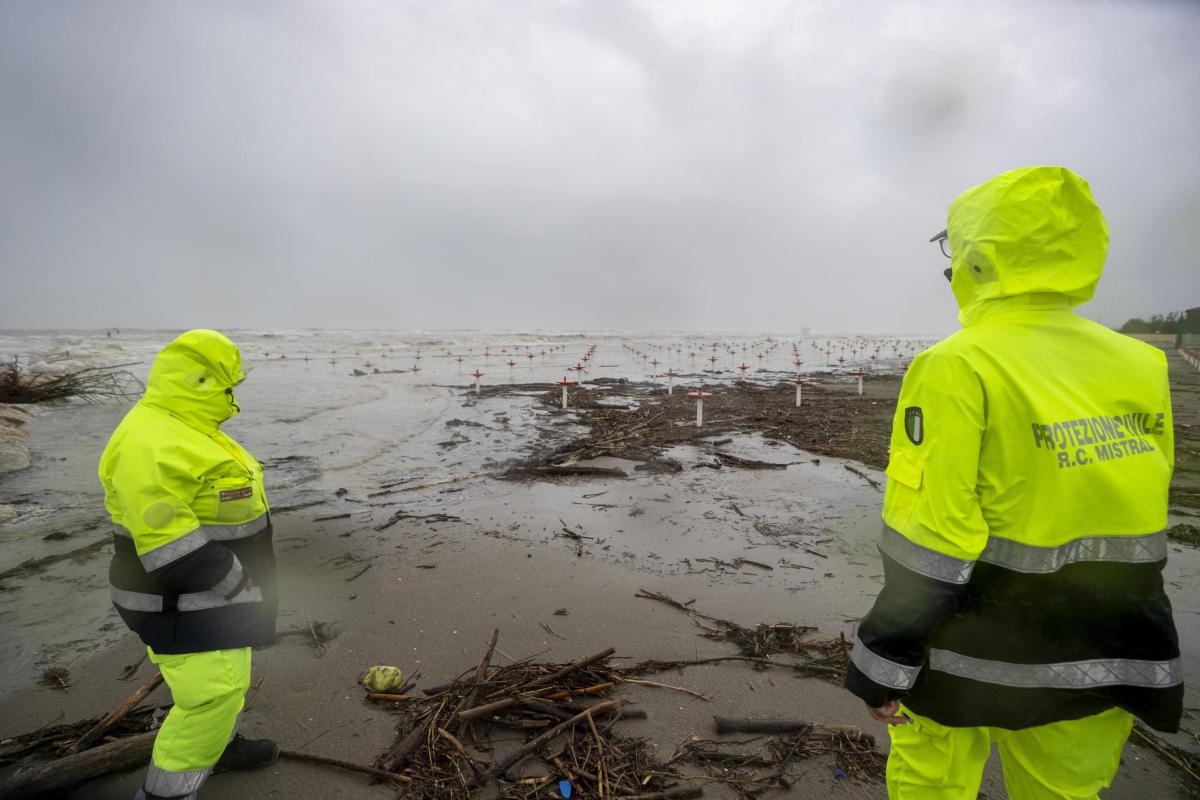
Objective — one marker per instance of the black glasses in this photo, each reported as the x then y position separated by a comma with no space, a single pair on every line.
943,240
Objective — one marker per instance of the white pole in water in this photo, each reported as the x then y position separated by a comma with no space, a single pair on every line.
699,396
798,384
860,383
564,383
670,384
476,385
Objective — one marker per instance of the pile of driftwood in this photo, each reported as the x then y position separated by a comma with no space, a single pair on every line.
94,384
51,760
820,658
520,730
751,771
54,758
831,422
458,739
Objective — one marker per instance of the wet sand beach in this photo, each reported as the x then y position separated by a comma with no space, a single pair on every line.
413,517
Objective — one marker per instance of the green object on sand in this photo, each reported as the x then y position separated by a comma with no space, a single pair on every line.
383,679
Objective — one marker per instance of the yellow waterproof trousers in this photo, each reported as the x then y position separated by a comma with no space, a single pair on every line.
1070,760
209,690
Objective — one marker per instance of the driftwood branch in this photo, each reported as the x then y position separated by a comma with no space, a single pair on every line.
400,753
535,743
335,762
555,677
783,726
480,674
50,776
744,725
117,714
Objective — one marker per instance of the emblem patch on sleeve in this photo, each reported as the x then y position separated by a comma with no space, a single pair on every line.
237,494
914,424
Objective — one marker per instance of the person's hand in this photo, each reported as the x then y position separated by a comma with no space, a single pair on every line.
889,713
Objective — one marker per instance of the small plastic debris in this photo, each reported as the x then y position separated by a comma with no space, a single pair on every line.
565,788
383,679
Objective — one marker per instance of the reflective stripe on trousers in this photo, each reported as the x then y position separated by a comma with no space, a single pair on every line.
208,690
195,539
1086,674
1021,557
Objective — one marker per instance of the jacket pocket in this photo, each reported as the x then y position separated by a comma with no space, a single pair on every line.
235,499
904,468
905,474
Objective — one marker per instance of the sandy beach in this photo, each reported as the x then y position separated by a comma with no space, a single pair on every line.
413,517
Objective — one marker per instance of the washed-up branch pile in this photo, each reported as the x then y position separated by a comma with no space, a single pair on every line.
752,770
51,760
447,744
831,422
820,658
59,740
94,384
54,758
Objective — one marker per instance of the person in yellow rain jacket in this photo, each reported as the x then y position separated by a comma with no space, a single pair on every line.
193,572
1024,518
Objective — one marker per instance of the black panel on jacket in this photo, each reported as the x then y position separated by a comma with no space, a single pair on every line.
1083,611
234,625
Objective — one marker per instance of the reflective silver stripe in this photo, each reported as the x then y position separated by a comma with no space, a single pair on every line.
194,540
172,784
231,579
198,601
1064,675
135,601
1031,558
193,601
881,670
1021,557
922,560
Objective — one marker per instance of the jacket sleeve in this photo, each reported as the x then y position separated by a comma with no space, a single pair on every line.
172,545
933,527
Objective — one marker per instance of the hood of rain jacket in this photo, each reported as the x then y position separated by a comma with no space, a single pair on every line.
193,379
1030,235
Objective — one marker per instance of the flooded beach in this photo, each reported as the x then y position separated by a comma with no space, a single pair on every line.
414,514
562,400
320,426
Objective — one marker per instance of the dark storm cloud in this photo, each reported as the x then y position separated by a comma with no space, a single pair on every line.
539,164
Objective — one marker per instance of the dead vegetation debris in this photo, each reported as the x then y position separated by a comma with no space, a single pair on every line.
444,747
563,715
1185,533
822,658
426,518
92,384
56,678
831,422
751,771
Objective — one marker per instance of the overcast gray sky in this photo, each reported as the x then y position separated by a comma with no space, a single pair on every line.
605,164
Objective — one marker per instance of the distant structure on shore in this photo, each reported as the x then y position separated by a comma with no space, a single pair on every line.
1189,330
1185,325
